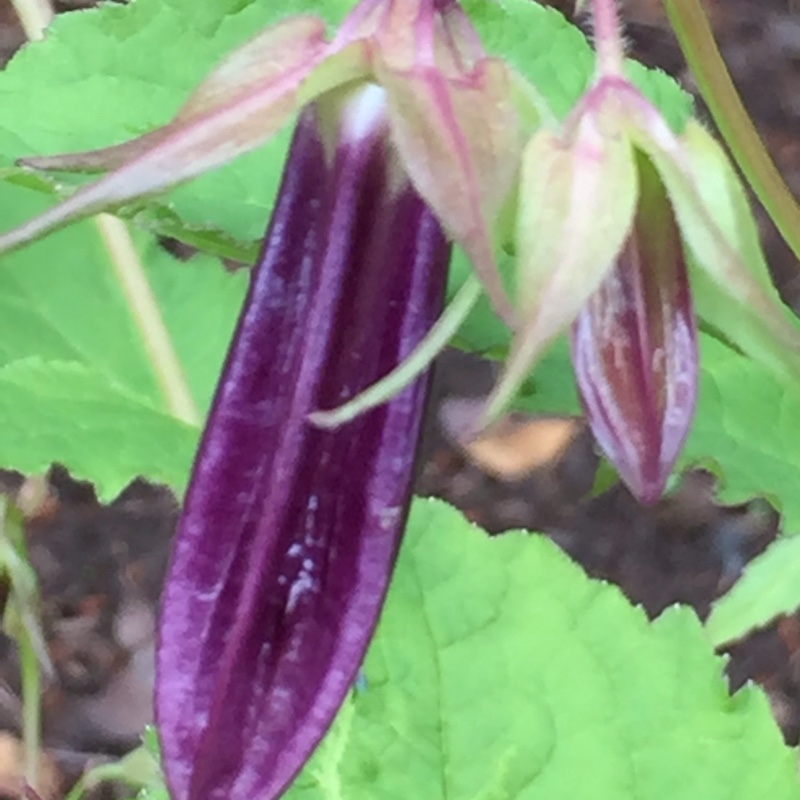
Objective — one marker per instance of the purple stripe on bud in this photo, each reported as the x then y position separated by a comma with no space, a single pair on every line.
635,350
289,533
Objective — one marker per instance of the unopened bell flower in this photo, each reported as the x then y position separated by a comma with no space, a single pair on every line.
289,533
618,218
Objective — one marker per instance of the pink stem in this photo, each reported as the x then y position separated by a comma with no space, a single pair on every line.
608,37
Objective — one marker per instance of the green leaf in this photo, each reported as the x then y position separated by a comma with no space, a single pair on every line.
747,430
498,666
60,300
73,414
134,65
78,386
555,56
501,671
769,587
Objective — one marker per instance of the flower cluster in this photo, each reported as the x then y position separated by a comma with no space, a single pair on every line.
410,137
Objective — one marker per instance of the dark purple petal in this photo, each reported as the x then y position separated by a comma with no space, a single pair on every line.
289,533
635,350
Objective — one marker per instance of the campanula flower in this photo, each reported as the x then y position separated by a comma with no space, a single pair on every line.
288,535
623,228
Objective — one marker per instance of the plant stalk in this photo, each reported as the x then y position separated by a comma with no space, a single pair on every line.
31,679
147,316
696,40
30,669
34,16
608,37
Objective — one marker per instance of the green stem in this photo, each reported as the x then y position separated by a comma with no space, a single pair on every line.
696,39
78,790
13,536
147,316
31,675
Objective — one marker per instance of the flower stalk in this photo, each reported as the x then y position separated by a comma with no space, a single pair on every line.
608,37
696,40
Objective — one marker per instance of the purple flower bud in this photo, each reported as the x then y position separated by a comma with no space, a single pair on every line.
289,533
635,349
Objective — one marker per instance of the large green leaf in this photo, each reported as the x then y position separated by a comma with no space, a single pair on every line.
78,386
59,299
501,671
68,412
747,430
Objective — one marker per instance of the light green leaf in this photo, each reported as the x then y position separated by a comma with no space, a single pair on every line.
71,413
747,430
556,58
498,666
133,66
769,587
64,322
60,300
501,671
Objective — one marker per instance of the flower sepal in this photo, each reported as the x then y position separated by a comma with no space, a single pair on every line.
253,93
733,290
453,112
